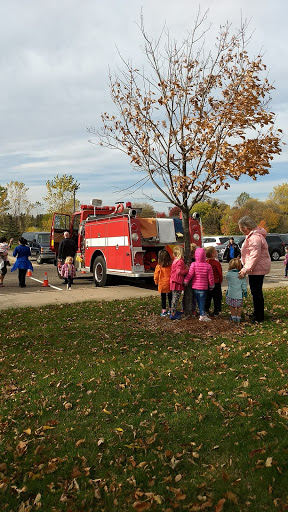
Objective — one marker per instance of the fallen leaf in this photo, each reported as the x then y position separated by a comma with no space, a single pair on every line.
79,442
219,505
231,497
140,505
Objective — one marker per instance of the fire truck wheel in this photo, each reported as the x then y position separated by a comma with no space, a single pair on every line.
99,271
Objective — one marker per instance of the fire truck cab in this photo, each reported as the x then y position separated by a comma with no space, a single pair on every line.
111,241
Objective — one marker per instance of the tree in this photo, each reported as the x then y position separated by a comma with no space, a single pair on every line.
242,199
147,210
197,119
61,193
279,196
175,212
211,212
17,197
229,221
19,205
4,202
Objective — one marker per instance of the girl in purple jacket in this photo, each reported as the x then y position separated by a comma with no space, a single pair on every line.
201,276
178,271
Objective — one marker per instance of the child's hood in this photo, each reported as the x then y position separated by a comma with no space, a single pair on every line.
200,255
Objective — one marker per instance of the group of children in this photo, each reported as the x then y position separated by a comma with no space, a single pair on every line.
205,276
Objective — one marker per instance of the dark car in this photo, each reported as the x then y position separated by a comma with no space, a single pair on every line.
276,246
39,243
284,237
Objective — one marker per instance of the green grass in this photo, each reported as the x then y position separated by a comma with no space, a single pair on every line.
101,410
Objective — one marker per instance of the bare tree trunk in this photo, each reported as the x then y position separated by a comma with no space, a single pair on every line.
188,294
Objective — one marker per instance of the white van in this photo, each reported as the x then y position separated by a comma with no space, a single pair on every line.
212,241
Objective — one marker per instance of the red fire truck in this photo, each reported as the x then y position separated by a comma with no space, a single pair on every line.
111,242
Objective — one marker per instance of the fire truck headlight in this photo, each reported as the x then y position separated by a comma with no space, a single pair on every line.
196,236
135,237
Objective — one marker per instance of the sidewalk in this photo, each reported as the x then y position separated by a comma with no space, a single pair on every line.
44,297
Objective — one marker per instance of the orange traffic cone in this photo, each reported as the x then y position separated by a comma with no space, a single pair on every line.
45,282
29,273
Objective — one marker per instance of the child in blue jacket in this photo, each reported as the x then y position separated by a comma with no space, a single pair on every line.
237,289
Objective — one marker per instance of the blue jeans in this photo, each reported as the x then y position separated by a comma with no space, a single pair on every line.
200,296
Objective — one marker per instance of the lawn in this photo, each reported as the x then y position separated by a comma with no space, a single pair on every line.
108,407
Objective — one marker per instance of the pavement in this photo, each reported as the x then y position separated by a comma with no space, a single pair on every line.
46,296
120,292
42,298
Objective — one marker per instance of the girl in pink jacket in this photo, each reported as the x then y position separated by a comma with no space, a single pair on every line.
68,271
178,271
201,276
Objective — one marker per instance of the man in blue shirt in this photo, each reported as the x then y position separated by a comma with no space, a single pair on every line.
232,250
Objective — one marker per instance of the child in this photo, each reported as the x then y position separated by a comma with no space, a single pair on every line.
162,279
193,248
4,246
178,271
237,289
286,261
201,276
68,271
216,293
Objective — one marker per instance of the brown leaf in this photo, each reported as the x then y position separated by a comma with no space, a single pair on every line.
231,497
253,452
21,448
79,442
219,505
140,505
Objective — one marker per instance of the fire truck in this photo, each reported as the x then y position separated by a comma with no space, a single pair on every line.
113,241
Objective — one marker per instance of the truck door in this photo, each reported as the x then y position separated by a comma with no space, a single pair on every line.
118,249
60,224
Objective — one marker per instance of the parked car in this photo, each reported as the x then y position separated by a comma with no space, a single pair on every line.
213,241
284,237
39,243
276,246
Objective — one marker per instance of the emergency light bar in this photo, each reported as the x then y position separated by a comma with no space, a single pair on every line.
96,202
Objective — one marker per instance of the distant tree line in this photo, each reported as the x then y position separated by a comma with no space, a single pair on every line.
18,214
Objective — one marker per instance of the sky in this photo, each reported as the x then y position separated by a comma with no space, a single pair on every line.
54,65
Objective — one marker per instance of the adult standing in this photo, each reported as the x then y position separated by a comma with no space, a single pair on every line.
256,262
232,250
22,263
67,247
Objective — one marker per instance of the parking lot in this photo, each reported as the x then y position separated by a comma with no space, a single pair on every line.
85,281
